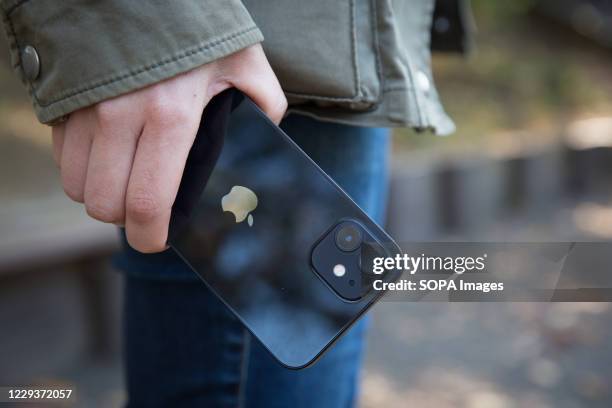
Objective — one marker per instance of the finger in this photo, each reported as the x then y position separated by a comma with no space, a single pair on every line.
57,134
261,85
75,154
108,170
156,173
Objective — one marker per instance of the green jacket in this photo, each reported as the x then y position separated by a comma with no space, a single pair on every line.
364,62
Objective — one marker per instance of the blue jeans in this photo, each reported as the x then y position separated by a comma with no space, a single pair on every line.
183,348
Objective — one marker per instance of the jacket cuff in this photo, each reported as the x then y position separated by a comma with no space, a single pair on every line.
75,53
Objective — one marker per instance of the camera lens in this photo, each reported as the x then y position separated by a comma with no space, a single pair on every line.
348,237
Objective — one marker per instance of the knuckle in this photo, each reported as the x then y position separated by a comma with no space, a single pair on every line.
166,114
107,113
143,207
102,209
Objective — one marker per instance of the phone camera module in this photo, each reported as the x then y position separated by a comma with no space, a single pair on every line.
348,237
339,270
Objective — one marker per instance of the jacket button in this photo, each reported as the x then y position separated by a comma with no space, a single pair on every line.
30,62
422,81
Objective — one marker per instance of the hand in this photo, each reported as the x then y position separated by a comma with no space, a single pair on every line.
124,157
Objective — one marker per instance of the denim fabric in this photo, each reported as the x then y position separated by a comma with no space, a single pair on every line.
183,348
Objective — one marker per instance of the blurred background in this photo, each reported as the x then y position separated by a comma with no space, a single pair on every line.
531,160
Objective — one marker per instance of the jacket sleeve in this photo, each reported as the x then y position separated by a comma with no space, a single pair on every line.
75,53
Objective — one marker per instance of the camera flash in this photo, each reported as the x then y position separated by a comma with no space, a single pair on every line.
339,270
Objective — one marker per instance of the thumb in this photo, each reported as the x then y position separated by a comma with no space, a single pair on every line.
251,73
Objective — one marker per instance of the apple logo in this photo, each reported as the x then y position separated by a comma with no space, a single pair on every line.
240,201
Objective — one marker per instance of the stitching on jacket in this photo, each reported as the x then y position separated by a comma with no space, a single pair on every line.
415,94
356,77
71,93
320,97
376,39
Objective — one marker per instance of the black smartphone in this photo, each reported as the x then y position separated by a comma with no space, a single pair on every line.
272,235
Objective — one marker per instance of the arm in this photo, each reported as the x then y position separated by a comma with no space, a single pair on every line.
123,146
